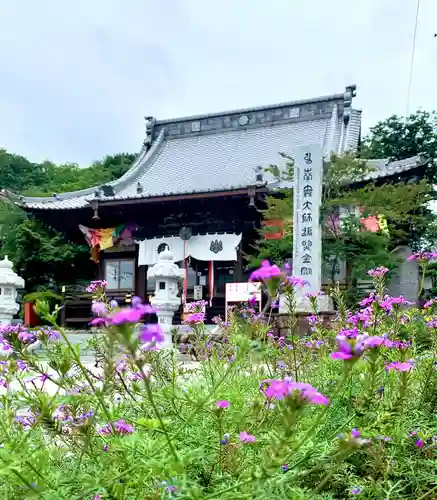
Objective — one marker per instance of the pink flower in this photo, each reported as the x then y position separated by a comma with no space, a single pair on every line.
131,314
399,366
280,389
247,438
378,272
267,271
94,286
223,403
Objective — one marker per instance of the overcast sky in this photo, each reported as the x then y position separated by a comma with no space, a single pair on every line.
77,78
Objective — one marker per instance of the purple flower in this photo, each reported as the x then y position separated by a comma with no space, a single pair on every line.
348,348
430,303
284,467
5,347
374,341
367,301
98,308
355,433
223,403
356,491
197,306
21,365
423,257
419,443
151,333
105,447
294,281
99,321
312,320
195,318
26,337
247,438
389,302
266,272
113,304
399,366
51,333
252,301
127,315
25,420
120,427
121,367
377,272
94,286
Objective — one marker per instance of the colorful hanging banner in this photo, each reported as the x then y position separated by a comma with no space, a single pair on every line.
104,238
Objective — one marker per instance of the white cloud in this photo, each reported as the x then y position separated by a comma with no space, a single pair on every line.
77,81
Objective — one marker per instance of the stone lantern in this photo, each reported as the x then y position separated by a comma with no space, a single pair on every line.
167,276
9,283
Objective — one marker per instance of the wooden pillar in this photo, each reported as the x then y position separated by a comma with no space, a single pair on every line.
238,271
140,277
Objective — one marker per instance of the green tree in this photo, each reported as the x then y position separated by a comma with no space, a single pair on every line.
42,257
397,138
40,254
398,204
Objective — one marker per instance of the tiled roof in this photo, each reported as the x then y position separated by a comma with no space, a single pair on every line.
387,168
221,151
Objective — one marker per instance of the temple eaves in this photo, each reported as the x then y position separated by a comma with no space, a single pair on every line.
222,152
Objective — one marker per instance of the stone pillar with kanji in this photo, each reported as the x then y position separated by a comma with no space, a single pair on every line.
307,229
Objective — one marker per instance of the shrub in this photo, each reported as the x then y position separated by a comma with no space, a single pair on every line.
347,412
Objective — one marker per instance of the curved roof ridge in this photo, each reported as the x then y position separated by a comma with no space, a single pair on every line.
142,159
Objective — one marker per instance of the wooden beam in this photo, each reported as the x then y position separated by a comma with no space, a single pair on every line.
179,197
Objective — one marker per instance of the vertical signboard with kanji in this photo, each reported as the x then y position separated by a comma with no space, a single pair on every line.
307,233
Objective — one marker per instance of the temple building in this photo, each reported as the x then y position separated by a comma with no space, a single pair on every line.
196,187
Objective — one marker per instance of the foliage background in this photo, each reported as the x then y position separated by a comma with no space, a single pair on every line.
41,255
405,205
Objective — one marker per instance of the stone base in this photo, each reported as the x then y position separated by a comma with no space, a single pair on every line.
303,328
303,304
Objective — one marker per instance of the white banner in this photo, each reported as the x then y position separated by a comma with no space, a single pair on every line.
205,247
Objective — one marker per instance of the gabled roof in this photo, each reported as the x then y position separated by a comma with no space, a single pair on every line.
221,151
